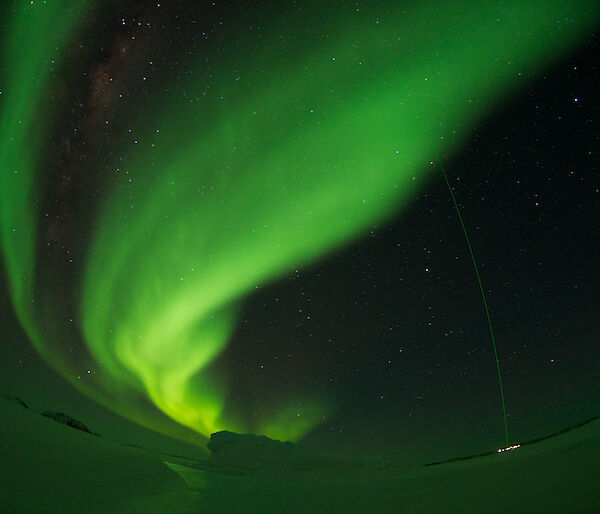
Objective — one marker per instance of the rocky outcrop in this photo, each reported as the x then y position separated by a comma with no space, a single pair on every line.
250,450
61,417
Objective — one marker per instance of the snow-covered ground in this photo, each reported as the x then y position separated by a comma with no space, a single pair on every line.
48,467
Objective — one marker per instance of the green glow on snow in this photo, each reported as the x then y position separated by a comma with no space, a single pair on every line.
320,138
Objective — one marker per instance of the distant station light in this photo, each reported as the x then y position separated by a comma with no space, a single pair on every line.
508,448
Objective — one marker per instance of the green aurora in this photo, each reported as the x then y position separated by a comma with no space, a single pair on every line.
297,152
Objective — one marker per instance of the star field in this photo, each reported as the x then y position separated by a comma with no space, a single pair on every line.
219,169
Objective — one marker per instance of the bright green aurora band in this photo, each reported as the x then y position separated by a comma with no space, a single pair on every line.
319,138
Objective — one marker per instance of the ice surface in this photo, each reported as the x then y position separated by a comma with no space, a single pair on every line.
48,467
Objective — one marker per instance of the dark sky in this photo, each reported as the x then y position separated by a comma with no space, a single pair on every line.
390,329
395,326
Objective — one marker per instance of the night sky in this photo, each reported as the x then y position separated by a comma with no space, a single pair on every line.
378,338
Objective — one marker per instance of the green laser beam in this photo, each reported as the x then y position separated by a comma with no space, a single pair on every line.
485,306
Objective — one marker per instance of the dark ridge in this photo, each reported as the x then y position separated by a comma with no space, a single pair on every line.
16,399
530,441
61,417
133,445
